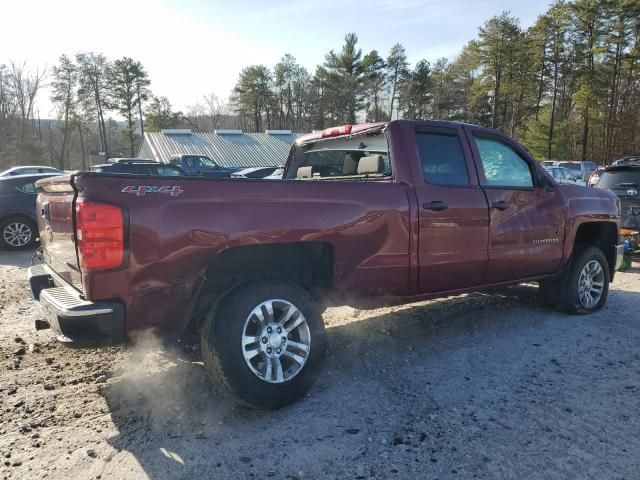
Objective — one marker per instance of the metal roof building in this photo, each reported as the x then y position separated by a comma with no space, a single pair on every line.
229,148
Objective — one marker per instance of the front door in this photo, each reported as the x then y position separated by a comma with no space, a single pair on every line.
453,217
526,218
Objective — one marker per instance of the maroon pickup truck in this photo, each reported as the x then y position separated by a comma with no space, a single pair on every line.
386,213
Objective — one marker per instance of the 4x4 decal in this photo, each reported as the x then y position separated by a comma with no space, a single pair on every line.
142,190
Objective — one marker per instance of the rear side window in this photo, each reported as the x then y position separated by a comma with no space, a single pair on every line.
503,166
442,158
27,188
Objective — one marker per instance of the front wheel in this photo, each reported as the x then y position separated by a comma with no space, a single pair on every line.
266,344
588,282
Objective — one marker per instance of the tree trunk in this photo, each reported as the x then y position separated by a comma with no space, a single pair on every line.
553,108
541,81
84,158
393,95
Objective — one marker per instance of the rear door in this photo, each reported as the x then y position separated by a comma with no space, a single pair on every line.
526,218
453,214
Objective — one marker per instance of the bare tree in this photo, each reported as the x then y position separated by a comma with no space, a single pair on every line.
206,116
25,86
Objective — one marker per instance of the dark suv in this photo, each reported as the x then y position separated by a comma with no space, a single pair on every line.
18,227
624,181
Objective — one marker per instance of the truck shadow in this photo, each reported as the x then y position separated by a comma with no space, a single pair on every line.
20,258
177,425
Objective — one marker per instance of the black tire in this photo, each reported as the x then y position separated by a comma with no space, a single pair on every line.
571,302
23,222
222,350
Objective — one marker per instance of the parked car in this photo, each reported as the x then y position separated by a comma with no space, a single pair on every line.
30,170
18,228
547,163
128,160
254,172
580,169
595,176
564,175
135,167
455,208
201,165
276,175
624,181
624,160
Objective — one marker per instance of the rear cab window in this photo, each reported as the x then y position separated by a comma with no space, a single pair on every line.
360,157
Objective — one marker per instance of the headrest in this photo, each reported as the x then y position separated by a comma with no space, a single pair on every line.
304,172
371,164
350,166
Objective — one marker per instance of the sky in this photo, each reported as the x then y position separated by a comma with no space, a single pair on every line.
193,47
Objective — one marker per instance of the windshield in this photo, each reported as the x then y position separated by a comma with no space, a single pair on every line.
620,178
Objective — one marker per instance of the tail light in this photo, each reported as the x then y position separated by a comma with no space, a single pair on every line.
99,236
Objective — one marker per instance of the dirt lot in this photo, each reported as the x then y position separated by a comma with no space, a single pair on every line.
481,386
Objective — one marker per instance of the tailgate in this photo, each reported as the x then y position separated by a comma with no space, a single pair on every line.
54,209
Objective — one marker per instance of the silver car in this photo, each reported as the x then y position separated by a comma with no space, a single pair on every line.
565,176
579,169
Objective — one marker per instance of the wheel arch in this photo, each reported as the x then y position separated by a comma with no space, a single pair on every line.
309,264
601,234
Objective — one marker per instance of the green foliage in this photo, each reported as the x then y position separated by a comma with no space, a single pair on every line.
128,87
159,114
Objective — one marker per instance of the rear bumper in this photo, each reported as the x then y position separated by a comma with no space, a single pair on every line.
75,320
619,255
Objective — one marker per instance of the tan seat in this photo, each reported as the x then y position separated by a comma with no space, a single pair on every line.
350,166
371,164
304,172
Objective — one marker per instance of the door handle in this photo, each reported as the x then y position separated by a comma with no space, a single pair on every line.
501,205
435,206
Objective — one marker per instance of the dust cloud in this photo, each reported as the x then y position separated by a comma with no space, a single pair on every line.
166,388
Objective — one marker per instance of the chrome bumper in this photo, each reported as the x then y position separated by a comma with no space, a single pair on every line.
73,318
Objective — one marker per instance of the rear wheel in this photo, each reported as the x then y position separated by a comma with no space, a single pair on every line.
588,282
265,344
17,233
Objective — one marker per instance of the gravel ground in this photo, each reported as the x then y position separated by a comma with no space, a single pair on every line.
479,386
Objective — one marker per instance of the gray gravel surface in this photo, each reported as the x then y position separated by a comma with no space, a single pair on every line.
489,386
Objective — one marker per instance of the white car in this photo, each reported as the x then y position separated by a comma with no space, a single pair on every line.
268,173
29,170
253,172
565,176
